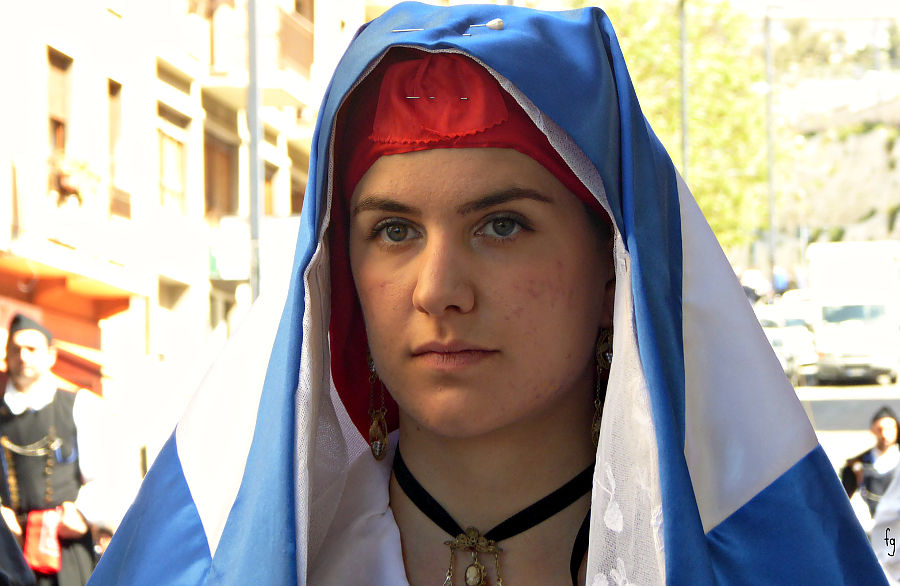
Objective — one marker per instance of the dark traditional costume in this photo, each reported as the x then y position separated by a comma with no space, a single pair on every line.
40,471
40,468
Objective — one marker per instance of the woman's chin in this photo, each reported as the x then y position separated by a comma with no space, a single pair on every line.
467,422
451,422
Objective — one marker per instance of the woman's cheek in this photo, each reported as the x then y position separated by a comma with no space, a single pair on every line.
381,300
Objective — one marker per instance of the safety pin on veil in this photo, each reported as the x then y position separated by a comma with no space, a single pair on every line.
495,25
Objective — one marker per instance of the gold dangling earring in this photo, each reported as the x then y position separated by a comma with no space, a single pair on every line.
378,431
603,362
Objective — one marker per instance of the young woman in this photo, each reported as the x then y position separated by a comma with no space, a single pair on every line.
484,285
444,401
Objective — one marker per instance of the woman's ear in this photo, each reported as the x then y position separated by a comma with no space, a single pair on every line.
609,302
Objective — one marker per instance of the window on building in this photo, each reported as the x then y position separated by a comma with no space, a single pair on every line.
59,96
57,136
59,90
220,172
305,8
119,200
172,132
115,125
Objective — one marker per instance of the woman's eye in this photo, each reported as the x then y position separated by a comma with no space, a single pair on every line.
502,227
395,232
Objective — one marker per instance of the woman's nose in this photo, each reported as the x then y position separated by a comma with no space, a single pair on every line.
443,282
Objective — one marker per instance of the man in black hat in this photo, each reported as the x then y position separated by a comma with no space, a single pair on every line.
871,471
41,473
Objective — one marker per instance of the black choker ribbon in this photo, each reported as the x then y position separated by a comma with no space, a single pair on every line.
474,542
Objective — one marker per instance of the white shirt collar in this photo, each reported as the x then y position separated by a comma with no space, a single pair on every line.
38,396
887,460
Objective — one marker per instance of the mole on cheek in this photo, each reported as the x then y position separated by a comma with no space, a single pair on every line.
388,289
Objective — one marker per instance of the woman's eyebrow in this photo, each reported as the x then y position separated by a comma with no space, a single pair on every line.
384,204
502,197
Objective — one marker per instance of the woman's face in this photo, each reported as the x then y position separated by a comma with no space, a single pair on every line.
885,431
483,285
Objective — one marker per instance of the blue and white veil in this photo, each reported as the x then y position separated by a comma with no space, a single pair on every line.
708,471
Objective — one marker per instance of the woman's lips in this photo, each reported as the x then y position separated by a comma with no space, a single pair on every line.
451,361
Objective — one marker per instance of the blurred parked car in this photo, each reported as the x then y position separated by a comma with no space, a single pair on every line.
793,343
858,342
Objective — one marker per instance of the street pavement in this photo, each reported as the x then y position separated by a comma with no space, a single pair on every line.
841,415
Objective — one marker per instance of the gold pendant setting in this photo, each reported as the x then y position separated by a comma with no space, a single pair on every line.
474,542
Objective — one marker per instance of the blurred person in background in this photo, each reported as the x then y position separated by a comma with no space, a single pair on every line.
49,444
871,472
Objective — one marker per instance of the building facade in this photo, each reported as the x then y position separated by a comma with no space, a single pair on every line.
124,181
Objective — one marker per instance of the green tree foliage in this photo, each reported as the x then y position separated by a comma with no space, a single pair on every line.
810,49
726,110
894,44
806,51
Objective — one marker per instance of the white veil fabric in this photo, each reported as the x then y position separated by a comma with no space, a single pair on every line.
707,471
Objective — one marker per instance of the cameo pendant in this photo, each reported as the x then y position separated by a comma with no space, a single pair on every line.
475,572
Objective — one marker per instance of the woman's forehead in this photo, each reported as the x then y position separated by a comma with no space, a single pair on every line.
471,171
